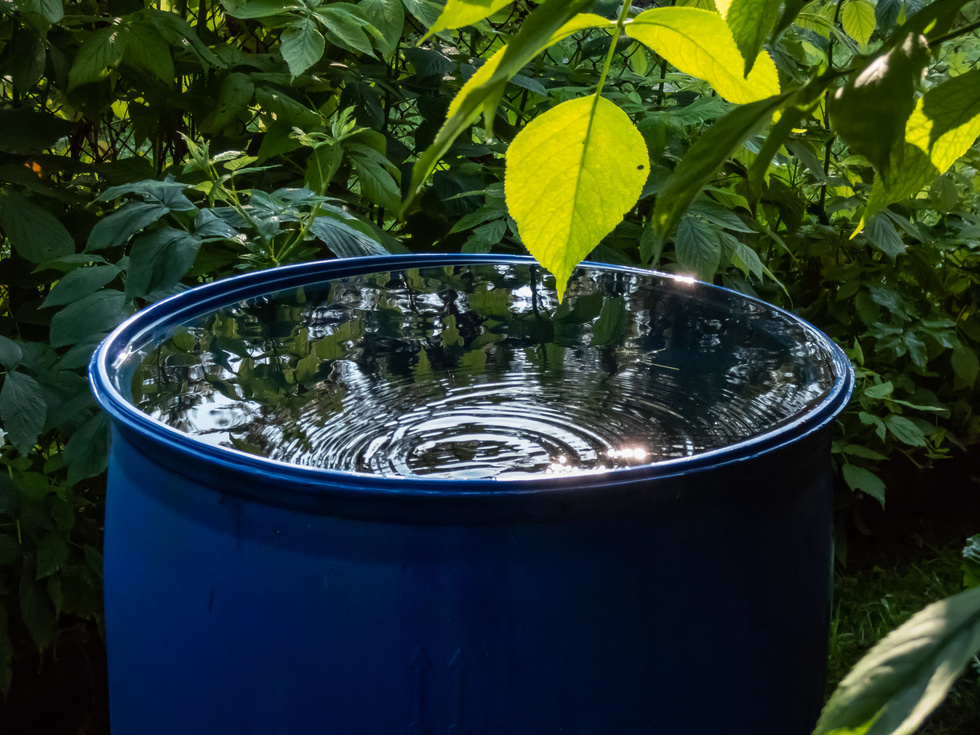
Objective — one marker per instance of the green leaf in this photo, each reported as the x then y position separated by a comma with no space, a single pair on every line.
257,8
965,363
26,59
146,49
905,430
36,609
699,43
864,481
858,450
159,259
459,13
943,126
698,247
388,17
116,228
883,235
609,326
944,195
207,225
426,11
747,260
51,10
88,317
79,283
168,192
858,20
175,30
87,452
100,53
750,22
482,91
571,175
23,410
894,687
27,131
322,165
52,553
34,232
285,107
376,175
343,25
10,353
871,110
343,240
485,236
705,157
301,45
882,390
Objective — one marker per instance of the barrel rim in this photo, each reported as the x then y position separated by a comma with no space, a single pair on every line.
154,321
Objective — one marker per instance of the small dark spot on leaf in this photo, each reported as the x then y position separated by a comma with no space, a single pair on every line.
640,167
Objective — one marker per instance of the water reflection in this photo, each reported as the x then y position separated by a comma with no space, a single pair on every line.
477,372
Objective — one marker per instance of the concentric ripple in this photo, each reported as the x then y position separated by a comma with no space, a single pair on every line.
477,372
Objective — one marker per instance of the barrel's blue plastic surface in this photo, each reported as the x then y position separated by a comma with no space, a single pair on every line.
250,596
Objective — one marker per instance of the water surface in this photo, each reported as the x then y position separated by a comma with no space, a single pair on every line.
478,372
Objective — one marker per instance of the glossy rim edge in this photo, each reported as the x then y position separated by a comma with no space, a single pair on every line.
155,321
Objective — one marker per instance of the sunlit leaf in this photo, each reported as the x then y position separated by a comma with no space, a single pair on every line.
871,110
858,20
750,22
535,35
699,43
943,126
894,687
459,13
572,174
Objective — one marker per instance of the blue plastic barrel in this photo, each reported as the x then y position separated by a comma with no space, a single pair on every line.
688,594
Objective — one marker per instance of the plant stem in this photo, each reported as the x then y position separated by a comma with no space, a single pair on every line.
620,24
828,150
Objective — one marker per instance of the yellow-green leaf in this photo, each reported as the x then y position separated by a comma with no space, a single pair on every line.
943,126
459,13
571,175
480,77
699,43
581,22
539,28
750,22
858,20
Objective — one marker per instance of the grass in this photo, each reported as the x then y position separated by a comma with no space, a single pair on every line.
869,603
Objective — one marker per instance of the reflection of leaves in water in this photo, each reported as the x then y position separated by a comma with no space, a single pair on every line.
364,356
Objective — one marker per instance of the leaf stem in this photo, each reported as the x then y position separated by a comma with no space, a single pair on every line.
617,32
